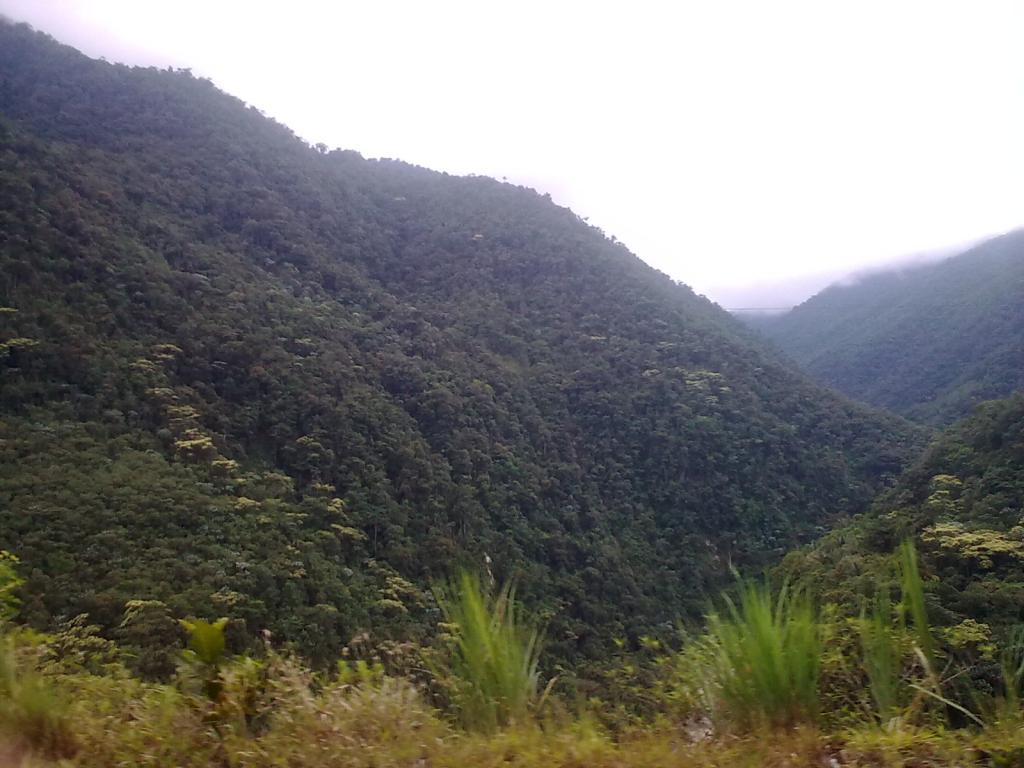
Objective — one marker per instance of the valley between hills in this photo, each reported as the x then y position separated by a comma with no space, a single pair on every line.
310,459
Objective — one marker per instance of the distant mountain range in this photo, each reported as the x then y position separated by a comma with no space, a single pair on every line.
926,341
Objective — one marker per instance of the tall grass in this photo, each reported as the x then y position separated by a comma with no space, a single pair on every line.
882,656
884,635
765,657
913,604
495,655
1011,662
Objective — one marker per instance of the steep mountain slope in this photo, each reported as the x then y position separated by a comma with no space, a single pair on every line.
927,342
245,377
963,503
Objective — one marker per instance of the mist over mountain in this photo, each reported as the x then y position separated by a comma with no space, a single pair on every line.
927,341
251,378
755,300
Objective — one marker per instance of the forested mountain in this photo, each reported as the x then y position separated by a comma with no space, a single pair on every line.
963,503
246,377
927,342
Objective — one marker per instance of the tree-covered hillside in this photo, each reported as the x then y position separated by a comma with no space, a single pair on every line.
963,504
927,342
246,377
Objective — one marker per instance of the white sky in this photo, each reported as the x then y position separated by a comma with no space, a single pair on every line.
754,150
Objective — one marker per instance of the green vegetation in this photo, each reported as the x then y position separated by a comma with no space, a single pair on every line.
881,653
928,342
962,505
1012,667
771,662
245,378
31,712
258,400
766,652
913,604
496,657
10,582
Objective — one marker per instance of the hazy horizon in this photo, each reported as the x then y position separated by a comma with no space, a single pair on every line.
755,154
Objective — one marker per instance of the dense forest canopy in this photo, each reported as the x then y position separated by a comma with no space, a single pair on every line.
241,376
928,342
963,503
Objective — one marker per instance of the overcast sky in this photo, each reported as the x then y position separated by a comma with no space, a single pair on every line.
754,150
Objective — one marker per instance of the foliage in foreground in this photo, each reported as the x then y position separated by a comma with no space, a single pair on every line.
30,709
765,655
496,655
773,682
286,715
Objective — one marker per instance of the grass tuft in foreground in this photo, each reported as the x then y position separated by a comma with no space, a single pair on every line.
495,656
765,657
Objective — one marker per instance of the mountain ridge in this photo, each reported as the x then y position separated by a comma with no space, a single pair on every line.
927,341
245,377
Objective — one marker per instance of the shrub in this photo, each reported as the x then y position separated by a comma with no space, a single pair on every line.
31,713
